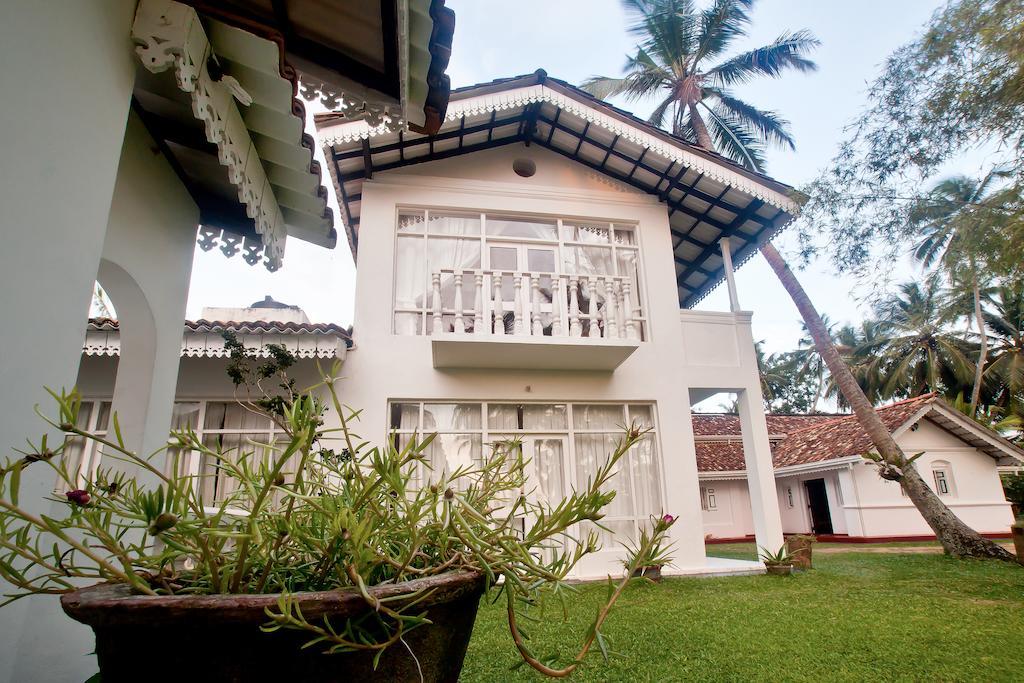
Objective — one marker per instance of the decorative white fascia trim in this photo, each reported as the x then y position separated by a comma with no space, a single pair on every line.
167,35
835,464
211,344
495,188
730,475
688,315
520,97
377,116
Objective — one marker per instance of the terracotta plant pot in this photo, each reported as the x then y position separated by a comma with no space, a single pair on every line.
652,573
799,548
1017,531
218,637
779,569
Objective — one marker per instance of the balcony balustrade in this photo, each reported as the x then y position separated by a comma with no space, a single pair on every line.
533,314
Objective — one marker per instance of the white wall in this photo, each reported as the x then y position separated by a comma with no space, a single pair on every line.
732,517
145,270
66,90
978,496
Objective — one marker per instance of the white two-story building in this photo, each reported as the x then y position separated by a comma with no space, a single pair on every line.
531,270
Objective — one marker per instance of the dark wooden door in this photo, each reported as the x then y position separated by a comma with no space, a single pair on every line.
817,503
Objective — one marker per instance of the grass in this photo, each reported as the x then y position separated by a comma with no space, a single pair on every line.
854,617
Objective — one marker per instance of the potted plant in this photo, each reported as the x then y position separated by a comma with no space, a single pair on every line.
646,558
320,541
779,563
799,548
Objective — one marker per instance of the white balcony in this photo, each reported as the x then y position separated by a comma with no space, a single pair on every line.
482,318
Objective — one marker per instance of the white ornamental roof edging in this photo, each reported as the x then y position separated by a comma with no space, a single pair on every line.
169,34
510,99
211,344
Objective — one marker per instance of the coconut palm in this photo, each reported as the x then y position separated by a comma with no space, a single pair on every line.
809,362
854,344
679,60
915,351
1005,372
949,219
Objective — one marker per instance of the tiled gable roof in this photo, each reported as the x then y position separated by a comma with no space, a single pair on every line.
842,437
796,439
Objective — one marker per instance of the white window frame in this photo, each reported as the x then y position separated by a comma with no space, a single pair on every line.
193,466
560,245
90,457
569,472
942,473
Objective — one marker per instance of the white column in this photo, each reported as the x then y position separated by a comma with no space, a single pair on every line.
730,276
58,177
757,455
147,264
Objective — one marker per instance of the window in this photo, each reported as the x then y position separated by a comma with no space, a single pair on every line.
707,499
537,275
227,427
82,456
943,476
564,444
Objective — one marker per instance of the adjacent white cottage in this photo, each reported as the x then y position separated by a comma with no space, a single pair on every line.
826,487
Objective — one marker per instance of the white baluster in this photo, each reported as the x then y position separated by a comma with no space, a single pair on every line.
575,328
595,329
518,305
538,326
499,305
460,309
611,325
557,306
478,304
627,310
436,303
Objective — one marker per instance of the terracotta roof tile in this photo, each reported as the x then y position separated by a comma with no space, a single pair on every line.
804,439
728,424
842,437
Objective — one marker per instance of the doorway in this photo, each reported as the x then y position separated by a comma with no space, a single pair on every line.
817,504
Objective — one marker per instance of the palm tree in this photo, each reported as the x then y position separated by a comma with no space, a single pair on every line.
674,61
676,38
853,345
915,352
1006,370
947,218
809,360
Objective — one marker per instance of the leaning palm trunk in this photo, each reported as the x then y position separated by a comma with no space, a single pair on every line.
979,371
957,538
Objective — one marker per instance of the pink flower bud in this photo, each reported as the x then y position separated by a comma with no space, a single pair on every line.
78,497
668,519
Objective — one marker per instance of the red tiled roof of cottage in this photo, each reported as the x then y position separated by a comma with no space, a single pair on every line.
796,439
842,437
728,424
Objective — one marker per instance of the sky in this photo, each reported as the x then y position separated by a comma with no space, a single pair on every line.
575,39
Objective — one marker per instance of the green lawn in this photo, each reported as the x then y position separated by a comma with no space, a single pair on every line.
855,617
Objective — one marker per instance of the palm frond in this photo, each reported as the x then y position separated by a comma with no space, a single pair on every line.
788,51
735,141
721,24
770,127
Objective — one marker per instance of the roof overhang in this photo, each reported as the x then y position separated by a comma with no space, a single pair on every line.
378,60
708,197
967,430
220,102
